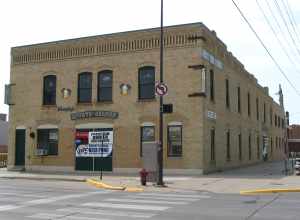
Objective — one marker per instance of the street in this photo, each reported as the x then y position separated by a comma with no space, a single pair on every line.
32,199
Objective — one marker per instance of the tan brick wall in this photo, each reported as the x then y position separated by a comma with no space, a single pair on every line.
123,54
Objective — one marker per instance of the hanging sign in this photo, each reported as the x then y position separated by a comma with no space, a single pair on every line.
100,144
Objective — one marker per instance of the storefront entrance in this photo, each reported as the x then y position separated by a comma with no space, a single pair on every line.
94,149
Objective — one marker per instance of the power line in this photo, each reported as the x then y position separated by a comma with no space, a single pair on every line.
290,19
292,15
274,32
267,50
280,29
285,24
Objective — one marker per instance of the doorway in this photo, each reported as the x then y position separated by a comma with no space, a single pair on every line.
20,147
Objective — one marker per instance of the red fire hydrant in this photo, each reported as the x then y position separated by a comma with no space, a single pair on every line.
143,175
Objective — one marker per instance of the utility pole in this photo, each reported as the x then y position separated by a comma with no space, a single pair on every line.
160,147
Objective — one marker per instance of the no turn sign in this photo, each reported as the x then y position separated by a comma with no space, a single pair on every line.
161,89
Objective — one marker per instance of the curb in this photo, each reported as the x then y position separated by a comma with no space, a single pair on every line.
265,191
42,178
102,185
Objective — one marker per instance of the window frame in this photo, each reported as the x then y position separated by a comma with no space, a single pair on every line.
56,142
249,104
239,99
90,89
240,145
228,142
169,141
47,91
100,86
140,84
227,93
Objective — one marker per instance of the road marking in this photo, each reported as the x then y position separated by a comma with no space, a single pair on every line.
21,195
146,201
126,206
7,207
45,216
164,198
174,195
83,218
91,211
48,200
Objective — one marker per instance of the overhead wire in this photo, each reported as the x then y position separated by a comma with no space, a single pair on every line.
281,31
292,16
276,36
286,25
265,47
290,19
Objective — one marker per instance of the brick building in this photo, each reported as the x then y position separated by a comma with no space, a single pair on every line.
294,138
69,94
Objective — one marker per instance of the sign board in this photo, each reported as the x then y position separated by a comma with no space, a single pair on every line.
94,114
161,89
211,115
100,144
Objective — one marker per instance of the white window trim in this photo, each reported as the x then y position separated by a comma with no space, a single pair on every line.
21,127
93,125
175,123
47,126
147,124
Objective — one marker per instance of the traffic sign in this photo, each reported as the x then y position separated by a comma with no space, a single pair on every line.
161,89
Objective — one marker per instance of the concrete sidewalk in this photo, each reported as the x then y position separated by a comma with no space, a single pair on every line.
265,175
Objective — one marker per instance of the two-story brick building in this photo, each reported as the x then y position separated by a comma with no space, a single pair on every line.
66,94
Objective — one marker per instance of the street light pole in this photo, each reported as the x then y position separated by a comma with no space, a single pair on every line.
160,147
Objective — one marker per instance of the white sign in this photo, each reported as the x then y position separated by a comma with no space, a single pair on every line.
161,89
212,115
100,145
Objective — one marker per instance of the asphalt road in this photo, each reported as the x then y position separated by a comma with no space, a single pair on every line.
28,199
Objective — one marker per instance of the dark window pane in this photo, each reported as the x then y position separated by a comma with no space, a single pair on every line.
85,87
105,94
148,133
147,91
105,85
47,139
146,82
85,95
49,93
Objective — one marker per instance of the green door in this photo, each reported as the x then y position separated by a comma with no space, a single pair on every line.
20,147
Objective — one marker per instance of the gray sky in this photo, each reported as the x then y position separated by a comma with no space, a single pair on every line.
36,21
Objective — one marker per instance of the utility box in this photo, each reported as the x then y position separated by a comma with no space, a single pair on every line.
150,160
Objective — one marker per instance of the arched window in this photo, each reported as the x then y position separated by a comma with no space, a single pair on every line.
146,82
105,86
84,87
49,90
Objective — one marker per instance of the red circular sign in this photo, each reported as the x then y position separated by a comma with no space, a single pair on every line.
161,89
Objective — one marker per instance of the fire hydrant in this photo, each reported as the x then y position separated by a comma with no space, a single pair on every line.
143,176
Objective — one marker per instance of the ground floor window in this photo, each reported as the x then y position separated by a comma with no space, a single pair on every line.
147,135
174,140
47,140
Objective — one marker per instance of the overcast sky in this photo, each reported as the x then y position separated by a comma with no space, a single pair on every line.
36,21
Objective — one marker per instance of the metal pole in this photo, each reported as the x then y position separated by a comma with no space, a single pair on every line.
160,148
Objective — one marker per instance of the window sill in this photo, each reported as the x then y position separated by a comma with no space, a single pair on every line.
84,103
104,102
174,157
49,107
147,100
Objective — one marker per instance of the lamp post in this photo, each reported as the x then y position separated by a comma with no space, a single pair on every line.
160,147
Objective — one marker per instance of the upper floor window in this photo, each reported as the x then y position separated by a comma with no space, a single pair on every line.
174,140
146,82
257,109
240,146
212,85
105,86
84,87
249,104
265,118
239,99
49,90
227,93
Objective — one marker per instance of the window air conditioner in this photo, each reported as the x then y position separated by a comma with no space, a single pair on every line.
41,152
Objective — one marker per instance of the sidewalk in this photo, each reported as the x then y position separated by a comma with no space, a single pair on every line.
265,175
